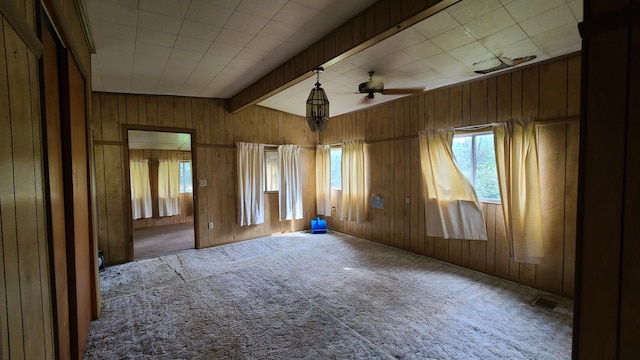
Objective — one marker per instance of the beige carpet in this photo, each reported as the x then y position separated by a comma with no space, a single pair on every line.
162,240
323,296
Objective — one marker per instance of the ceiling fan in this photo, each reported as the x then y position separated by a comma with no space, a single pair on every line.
373,86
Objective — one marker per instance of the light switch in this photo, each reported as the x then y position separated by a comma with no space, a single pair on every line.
202,182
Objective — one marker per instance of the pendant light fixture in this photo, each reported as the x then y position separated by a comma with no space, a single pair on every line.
317,106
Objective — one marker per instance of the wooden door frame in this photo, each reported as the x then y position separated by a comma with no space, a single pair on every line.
127,182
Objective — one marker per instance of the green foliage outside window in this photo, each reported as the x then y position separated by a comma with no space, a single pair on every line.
476,158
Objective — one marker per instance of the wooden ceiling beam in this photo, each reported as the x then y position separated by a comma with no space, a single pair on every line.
374,24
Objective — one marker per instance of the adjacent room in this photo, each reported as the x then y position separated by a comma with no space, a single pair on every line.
280,179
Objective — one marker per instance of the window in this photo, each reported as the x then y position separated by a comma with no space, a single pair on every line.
336,169
271,171
475,156
186,185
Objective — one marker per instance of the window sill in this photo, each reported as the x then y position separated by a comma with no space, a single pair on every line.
494,202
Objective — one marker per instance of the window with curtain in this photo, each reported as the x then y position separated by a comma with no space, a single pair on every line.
476,158
353,183
336,169
140,189
271,171
517,163
250,183
186,185
323,180
452,210
168,187
290,193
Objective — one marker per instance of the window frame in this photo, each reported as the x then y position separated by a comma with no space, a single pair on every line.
473,136
331,150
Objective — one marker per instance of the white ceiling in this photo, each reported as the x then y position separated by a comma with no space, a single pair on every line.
159,140
215,48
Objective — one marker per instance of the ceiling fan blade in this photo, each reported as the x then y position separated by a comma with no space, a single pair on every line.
402,91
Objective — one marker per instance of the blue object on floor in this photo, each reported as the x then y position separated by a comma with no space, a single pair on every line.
318,226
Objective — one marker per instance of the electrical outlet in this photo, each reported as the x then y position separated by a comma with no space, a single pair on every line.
202,182
210,225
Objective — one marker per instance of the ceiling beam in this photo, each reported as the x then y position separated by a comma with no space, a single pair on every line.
374,24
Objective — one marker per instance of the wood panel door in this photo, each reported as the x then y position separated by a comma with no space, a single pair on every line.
55,192
80,252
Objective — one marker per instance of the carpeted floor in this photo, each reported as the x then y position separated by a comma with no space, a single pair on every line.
162,240
333,296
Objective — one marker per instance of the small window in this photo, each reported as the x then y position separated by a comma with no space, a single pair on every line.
186,185
336,169
476,158
271,171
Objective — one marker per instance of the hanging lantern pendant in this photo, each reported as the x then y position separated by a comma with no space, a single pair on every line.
317,106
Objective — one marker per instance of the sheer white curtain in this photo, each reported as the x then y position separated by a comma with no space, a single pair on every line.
323,180
290,193
140,189
452,210
250,183
168,187
517,163
353,184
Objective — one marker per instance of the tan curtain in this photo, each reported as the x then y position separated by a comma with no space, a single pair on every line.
290,191
353,184
168,187
250,183
323,180
140,189
452,210
517,164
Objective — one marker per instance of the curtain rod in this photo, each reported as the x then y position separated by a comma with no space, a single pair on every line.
473,128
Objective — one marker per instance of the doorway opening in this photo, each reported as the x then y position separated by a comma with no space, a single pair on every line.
161,189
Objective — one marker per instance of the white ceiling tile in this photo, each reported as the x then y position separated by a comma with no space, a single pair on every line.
504,38
112,30
453,39
440,61
233,37
192,44
231,4
457,71
252,55
414,68
577,8
199,30
471,53
267,9
407,38
223,49
155,38
278,30
113,44
115,57
466,11
185,56
153,50
525,9
245,22
316,4
551,19
158,22
175,8
520,49
148,64
424,50
341,67
561,40
490,23
111,12
295,14
437,24
370,54
128,3
263,43
213,60
207,13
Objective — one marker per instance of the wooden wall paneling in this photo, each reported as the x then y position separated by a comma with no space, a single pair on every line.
133,116
385,171
477,250
553,90
516,95
228,127
455,106
551,150
417,234
479,101
114,203
492,102
202,199
212,185
570,208
466,104
398,119
96,121
217,194
412,109
165,111
374,189
151,103
109,117
230,190
573,86
197,113
142,109
530,94
503,97
406,195
429,117
441,108
206,106
122,113
179,112
630,295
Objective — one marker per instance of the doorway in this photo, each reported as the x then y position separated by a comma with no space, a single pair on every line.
161,188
